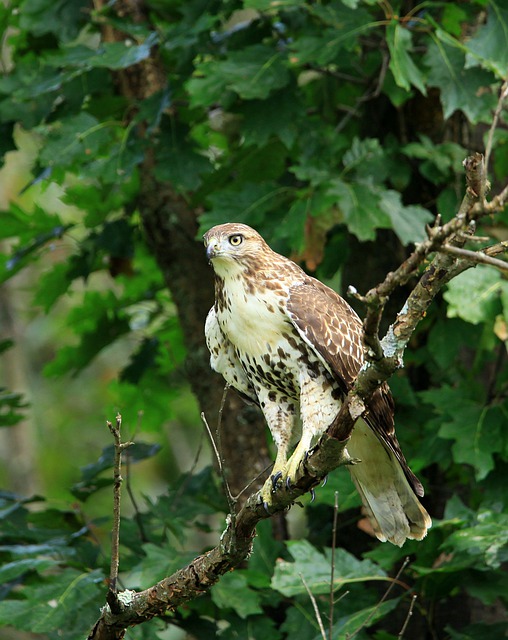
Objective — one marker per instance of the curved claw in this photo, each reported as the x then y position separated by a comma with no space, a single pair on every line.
265,507
312,495
275,478
289,484
325,480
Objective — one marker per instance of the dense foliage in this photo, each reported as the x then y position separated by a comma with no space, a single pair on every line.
337,129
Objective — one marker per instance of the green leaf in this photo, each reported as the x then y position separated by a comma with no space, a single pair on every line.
90,483
233,592
486,541
52,285
489,45
10,406
180,162
478,435
462,89
266,550
315,569
110,55
13,570
64,603
247,203
340,31
347,626
478,631
440,161
136,452
59,17
474,295
98,322
72,139
253,627
266,5
405,72
159,562
276,116
367,160
476,430
453,18
407,222
360,207
254,72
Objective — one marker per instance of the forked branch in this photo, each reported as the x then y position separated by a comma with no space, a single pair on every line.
383,358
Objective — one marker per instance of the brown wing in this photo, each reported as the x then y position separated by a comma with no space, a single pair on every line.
333,330
330,326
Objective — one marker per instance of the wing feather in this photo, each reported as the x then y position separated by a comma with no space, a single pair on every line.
223,359
327,323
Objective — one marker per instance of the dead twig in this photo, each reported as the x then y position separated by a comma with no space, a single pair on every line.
316,609
408,616
503,95
475,257
332,570
217,449
115,532
384,597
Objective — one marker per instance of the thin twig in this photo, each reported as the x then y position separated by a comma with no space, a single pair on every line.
477,257
128,485
316,610
409,614
385,595
130,493
212,440
229,496
218,432
251,482
332,570
115,532
503,94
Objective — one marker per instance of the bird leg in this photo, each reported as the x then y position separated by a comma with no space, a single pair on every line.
280,419
277,476
297,458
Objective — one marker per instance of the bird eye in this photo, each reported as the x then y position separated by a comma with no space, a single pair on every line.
236,240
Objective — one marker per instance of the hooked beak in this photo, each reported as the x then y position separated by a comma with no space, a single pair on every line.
212,248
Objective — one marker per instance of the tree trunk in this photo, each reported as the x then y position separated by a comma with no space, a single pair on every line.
171,228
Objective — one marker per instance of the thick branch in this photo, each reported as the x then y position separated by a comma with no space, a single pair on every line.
330,452
234,547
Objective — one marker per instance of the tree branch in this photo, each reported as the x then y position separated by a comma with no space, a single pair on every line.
234,546
475,257
115,533
503,95
383,358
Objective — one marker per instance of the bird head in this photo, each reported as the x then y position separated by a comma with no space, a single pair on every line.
232,243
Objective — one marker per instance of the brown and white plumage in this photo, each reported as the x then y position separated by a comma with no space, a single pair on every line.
292,345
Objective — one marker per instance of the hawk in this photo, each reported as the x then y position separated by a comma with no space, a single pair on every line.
293,346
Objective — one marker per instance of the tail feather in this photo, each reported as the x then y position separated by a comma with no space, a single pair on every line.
389,502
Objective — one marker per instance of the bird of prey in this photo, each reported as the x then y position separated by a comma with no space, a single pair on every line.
293,346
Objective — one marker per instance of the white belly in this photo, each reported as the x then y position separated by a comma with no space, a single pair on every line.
254,325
